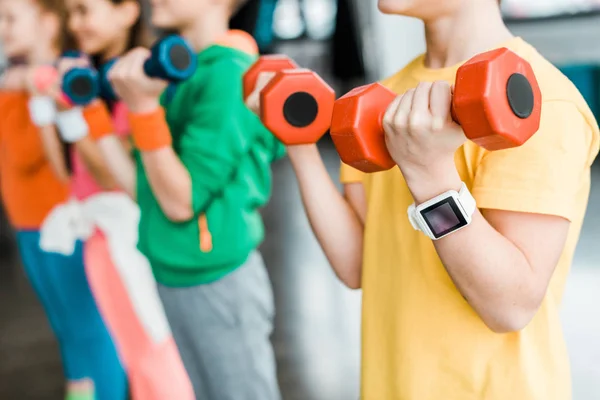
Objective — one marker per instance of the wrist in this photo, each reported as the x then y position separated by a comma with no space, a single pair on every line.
71,125
42,110
150,131
304,157
99,120
144,106
425,184
298,154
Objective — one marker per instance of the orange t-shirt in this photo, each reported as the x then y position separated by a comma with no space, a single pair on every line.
28,185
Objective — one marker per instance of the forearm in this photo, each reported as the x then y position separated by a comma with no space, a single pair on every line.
490,271
119,163
96,163
492,274
170,182
53,149
335,224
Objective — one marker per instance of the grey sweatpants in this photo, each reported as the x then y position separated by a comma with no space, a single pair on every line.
222,330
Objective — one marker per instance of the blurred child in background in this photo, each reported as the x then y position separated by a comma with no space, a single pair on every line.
203,171
119,275
32,31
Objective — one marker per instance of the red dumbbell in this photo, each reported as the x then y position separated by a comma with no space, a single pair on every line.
271,63
497,101
296,105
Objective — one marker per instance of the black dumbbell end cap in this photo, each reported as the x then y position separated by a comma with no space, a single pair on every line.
81,86
300,109
520,95
180,57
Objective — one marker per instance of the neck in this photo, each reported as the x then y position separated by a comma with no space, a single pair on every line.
116,49
206,30
474,28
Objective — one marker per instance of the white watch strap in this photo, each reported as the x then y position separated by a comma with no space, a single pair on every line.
412,210
467,201
72,125
42,110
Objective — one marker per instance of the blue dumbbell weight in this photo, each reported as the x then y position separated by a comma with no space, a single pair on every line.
80,84
172,59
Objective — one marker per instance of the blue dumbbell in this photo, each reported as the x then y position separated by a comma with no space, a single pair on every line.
80,84
172,59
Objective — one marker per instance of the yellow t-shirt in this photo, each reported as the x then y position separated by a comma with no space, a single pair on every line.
421,339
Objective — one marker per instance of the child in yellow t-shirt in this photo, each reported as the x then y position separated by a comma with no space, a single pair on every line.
475,314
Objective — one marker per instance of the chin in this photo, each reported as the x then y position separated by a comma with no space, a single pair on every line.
393,6
164,21
14,51
89,47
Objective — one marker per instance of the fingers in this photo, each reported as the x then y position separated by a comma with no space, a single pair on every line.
390,115
425,108
253,100
263,80
420,116
403,111
395,119
440,101
129,65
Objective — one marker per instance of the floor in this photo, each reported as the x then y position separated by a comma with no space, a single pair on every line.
317,326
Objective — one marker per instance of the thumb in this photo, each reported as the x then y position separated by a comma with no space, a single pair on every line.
253,100
263,80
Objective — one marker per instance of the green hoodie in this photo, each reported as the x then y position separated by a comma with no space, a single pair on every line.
228,153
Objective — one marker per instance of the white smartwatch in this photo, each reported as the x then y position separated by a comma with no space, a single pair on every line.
443,214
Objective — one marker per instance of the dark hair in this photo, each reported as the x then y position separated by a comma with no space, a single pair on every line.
138,36
65,40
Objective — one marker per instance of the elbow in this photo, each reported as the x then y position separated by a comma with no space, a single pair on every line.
64,178
107,185
177,211
354,284
352,278
510,319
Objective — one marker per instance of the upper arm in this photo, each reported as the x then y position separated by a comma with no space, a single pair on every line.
356,197
540,238
354,190
532,194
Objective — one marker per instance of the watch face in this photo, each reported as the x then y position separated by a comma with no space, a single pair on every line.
443,217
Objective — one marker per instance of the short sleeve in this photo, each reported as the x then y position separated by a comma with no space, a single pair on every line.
547,175
350,175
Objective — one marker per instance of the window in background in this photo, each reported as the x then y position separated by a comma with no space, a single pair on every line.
312,18
547,8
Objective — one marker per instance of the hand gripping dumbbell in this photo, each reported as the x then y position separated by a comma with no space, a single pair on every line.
171,59
79,85
270,63
496,100
296,105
